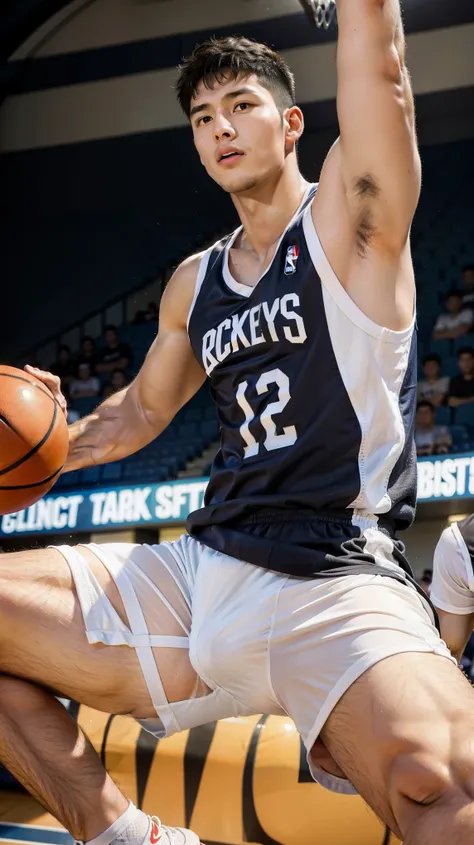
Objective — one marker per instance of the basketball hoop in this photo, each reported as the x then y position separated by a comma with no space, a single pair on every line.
321,13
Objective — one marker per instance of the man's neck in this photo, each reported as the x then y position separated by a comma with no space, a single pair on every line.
266,212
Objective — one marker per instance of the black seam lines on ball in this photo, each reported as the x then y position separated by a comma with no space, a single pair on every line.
32,452
36,483
9,425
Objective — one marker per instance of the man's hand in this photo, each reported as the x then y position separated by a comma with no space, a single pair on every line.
52,382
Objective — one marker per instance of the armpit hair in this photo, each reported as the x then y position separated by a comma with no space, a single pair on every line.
366,188
365,231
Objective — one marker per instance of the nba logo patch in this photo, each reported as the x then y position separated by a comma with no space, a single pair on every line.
291,261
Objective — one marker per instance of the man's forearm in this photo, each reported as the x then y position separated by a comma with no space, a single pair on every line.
116,429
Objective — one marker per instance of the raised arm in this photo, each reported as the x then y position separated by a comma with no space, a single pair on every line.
380,165
170,375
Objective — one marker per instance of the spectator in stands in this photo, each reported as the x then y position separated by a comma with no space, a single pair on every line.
88,352
468,286
456,321
147,316
64,366
86,384
425,581
114,355
117,381
434,387
430,439
461,387
151,312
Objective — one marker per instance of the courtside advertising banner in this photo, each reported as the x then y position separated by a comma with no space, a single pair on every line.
94,509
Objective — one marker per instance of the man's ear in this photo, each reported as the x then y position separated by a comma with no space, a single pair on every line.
293,121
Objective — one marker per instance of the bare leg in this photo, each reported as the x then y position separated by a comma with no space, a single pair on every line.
47,752
42,640
404,735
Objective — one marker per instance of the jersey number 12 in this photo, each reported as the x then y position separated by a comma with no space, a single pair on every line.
272,439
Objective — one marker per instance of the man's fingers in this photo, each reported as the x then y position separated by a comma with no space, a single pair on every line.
52,382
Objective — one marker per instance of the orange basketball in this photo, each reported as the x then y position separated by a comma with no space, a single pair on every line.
34,440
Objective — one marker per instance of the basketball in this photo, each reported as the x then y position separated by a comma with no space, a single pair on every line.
34,440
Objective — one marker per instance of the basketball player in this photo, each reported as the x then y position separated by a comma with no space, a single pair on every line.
291,593
452,588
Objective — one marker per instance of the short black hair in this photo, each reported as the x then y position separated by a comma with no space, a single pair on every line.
88,337
219,58
64,348
110,328
468,268
465,350
425,404
453,293
432,357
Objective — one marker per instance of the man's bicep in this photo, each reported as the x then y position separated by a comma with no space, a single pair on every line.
455,631
379,158
171,374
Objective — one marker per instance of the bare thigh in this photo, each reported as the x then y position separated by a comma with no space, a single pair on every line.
42,638
403,734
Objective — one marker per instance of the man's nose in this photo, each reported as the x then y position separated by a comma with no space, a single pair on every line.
223,128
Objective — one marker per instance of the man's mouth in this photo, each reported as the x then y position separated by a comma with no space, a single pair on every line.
230,157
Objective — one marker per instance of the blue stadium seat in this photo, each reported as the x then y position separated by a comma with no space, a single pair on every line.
443,348
112,472
466,340
443,416
91,475
71,479
210,430
450,367
464,415
85,405
461,438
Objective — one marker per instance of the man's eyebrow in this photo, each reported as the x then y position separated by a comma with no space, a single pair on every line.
230,96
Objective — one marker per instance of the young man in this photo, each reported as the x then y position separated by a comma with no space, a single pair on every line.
456,321
461,387
292,593
430,439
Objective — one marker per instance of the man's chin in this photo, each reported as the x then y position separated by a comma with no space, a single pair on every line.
237,187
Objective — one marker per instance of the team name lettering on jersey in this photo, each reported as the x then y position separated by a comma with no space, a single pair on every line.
260,324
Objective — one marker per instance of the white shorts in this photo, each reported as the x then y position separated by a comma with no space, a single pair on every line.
261,642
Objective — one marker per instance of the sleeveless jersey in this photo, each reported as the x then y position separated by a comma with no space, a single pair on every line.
316,402
466,531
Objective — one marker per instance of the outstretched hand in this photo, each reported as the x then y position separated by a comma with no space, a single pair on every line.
52,382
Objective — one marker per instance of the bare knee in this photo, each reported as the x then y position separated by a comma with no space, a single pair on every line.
431,787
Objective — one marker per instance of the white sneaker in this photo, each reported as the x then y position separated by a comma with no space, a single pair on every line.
160,834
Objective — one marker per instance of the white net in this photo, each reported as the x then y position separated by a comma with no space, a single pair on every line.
322,11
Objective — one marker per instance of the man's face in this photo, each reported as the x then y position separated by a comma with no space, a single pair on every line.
239,116
466,363
431,369
453,304
84,372
118,380
111,337
468,279
424,417
64,356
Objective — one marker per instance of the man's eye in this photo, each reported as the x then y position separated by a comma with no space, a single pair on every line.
202,120
243,106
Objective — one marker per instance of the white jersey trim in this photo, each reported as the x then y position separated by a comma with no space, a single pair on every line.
338,292
247,290
204,263
374,391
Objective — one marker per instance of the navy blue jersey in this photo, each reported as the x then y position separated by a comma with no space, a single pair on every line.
316,402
